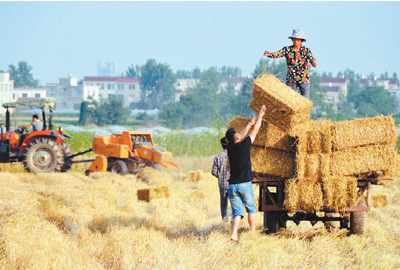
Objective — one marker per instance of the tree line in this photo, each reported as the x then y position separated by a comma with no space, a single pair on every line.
206,104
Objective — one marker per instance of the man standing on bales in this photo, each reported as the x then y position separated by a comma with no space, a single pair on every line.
240,190
221,171
297,60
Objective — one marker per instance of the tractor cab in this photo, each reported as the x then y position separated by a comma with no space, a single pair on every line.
42,150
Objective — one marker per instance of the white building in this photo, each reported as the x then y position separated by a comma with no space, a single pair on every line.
184,86
336,89
27,93
6,89
69,95
236,83
126,88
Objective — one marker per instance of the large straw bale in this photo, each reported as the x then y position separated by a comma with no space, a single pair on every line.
269,135
365,160
361,132
312,167
301,196
285,107
272,162
313,137
194,176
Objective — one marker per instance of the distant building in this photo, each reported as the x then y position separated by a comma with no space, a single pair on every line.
336,88
27,93
69,95
386,83
120,87
184,86
6,89
236,82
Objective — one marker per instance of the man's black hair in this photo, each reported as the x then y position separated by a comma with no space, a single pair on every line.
229,134
35,116
224,142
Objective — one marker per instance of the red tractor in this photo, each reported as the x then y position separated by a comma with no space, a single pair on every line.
40,151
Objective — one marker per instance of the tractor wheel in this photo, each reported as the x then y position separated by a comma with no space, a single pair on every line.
157,167
43,155
120,167
66,152
357,221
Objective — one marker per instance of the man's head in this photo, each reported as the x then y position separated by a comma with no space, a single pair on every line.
224,143
35,117
233,136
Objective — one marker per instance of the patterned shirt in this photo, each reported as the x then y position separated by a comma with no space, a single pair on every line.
220,169
297,63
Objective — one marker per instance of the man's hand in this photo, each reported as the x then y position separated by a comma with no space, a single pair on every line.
267,53
314,63
262,111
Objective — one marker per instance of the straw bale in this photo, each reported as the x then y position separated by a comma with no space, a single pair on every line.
285,107
303,196
365,160
379,200
152,193
361,132
339,192
312,167
272,162
194,176
269,135
313,136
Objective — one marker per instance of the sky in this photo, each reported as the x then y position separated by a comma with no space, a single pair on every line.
61,38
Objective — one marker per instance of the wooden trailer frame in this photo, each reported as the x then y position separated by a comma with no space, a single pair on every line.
272,195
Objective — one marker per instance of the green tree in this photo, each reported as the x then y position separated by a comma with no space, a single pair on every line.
374,100
157,81
85,115
133,71
22,75
110,112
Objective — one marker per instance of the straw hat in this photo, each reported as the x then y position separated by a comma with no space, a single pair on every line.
297,33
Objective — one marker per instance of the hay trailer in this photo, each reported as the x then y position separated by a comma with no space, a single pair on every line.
271,202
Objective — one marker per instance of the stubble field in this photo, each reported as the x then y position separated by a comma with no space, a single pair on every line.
73,221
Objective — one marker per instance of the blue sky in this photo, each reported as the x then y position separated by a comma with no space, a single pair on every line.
58,38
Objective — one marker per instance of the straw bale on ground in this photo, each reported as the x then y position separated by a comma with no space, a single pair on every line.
268,136
361,132
285,107
194,176
303,196
148,194
365,160
272,162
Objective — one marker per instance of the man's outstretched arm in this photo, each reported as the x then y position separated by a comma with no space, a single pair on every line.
257,125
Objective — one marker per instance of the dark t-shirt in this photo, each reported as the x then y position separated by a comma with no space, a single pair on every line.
239,160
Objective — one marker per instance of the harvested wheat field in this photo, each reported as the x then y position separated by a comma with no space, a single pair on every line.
71,221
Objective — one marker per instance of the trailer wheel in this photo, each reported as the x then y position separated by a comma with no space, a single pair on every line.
357,221
119,167
67,152
272,222
43,155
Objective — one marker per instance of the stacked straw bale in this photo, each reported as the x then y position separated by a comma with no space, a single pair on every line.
365,160
285,107
272,162
269,135
361,132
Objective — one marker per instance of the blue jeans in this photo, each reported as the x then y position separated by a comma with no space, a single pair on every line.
303,87
241,195
224,204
